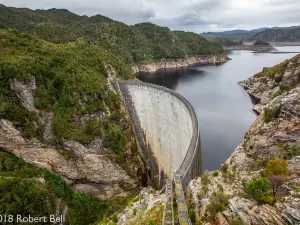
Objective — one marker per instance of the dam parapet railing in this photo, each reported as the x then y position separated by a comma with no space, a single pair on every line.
191,165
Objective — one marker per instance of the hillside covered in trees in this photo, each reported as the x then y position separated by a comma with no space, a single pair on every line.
66,85
279,35
141,42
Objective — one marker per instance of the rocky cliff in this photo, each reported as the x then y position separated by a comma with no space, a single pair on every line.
165,64
90,168
221,196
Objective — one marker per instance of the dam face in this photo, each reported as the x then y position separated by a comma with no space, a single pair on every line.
167,130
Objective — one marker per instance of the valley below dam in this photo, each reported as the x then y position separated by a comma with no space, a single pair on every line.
223,108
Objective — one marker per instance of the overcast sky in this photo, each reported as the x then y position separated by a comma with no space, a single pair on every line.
189,15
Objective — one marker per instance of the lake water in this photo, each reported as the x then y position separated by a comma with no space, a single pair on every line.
223,108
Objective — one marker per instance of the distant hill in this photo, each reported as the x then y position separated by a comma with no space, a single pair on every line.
274,34
279,35
234,33
225,41
141,42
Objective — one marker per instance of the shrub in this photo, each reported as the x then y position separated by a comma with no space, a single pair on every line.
199,196
134,211
216,173
217,204
205,189
192,214
258,190
277,167
224,168
220,187
205,179
294,151
115,218
271,113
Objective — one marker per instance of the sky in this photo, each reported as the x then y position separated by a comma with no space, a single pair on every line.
189,15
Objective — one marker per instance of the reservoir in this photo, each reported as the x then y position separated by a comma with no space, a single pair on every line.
223,108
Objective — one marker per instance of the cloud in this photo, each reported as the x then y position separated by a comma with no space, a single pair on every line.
191,15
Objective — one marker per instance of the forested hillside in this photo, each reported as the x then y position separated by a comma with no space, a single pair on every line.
141,42
69,85
279,35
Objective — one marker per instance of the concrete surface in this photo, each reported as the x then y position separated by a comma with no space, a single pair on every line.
167,130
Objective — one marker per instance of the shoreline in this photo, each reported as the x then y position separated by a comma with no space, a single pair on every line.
180,63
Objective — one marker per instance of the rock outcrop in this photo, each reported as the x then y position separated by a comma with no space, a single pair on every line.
89,166
272,82
165,64
274,134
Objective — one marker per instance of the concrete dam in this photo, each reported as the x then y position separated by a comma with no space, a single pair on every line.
167,130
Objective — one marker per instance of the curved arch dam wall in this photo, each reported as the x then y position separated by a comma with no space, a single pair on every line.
166,127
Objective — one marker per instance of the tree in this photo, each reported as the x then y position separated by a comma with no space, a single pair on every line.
277,167
276,183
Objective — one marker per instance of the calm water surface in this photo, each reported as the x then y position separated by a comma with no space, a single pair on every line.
223,108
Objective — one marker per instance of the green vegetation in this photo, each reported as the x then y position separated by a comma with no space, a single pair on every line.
218,202
271,113
192,214
224,168
258,190
21,193
292,152
205,179
260,42
279,35
237,222
277,167
141,42
71,81
216,173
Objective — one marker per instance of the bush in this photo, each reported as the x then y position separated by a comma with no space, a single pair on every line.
199,196
192,214
205,179
271,113
205,189
220,187
294,151
217,204
258,190
224,168
216,173
277,167
134,211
